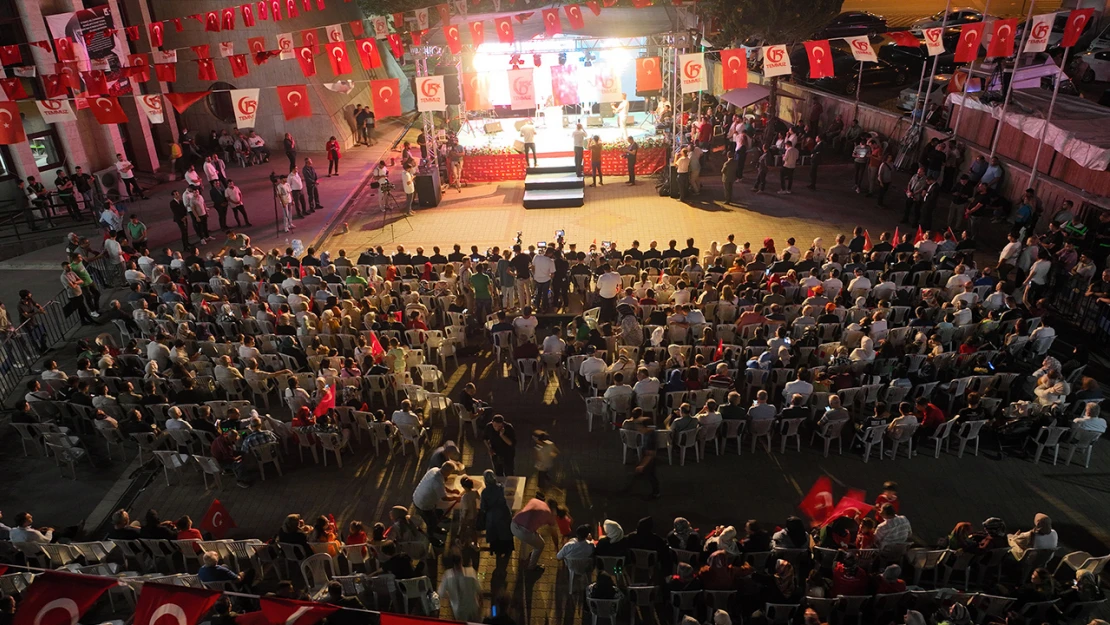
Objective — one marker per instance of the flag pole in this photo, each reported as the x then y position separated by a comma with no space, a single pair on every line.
859,83
967,79
1013,76
1048,116
933,71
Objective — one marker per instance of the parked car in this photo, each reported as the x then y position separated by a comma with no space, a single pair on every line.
910,59
852,24
1093,65
847,75
1057,34
955,18
909,96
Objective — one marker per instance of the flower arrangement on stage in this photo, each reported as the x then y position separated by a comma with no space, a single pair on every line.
492,164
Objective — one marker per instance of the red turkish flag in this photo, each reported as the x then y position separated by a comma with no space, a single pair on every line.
594,7
309,38
648,74
59,598
10,55
95,82
238,65
217,520
156,29
905,39
107,110
337,56
504,29
166,72
734,68
552,25
451,34
386,97
320,5
13,88
206,69
368,53
396,45
247,10
444,13
54,86
417,36
183,100
275,10
477,33
262,9
967,50
476,92
201,51
574,16
184,604
64,48
327,402
291,9
818,502
356,28
282,611
138,67
132,33
177,24
70,76
398,21
227,18
849,506
641,4
294,103
256,44
305,58
11,132
820,59
1077,21
212,22
1002,38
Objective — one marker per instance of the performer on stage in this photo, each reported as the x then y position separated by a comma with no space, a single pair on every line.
621,111
579,138
528,133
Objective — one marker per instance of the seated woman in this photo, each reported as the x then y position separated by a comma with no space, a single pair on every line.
720,574
683,536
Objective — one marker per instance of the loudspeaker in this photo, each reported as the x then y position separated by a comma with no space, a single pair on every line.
427,188
594,121
451,89
492,127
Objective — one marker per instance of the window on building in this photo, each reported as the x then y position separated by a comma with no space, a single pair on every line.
46,149
219,102
6,170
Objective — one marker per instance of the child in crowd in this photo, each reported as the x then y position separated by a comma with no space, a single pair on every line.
467,538
546,452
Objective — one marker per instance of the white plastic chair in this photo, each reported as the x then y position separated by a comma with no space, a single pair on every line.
761,428
415,589
870,437
317,570
1082,441
940,436
790,430
528,370
631,439
969,432
687,439
708,434
1048,437
905,435
172,462
830,432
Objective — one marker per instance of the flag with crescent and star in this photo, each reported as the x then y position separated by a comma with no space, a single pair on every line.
60,598
386,97
183,605
11,124
217,520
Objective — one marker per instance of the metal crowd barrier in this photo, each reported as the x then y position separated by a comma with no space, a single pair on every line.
21,349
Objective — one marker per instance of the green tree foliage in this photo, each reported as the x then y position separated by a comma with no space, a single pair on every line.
773,21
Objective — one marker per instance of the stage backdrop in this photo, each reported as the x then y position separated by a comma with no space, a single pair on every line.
493,165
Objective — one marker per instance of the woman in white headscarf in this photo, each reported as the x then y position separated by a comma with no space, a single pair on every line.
819,253
612,543
865,352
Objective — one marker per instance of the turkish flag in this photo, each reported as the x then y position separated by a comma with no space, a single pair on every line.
356,28
256,44
1077,22
262,8
156,29
13,88
201,51
327,402
166,72
291,9
227,18
734,68
641,4
504,29
217,520
53,85
309,38
1002,38
818,502
648,75
247,11
59,598
417,36
70,76
177,24
282,611
294,103
185,605
451,35
574,16
368,53
107,110
476,92
849,506
182,101
552,25
905,39
377,352
820,59
138,67
206,69
64,48
238,65
337,56
132,33
11,132
444,13
10,55
320,5
275,10
396,45
477,33
386,97
594,7
211,22
95,82
305,58
967,50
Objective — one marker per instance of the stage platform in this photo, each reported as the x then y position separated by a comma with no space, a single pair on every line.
553,183
552,137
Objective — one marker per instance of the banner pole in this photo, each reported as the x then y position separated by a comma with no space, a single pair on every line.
1010,90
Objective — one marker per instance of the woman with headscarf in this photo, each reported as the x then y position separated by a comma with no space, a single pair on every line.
768,247
612,544
674,383
631,332
645,538
684,579
783,586
498,518
1040,587
818,249
993,536
683,536
1085,589
960,536
757,539
1042,536
792,536
722,538
720,574
849,578
865,352
427,273
604,588
890,581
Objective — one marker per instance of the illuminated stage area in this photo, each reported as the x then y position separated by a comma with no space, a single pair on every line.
553,128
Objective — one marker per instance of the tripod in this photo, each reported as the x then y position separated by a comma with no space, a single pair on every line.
389,204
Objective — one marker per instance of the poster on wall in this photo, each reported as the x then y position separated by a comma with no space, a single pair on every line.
98,49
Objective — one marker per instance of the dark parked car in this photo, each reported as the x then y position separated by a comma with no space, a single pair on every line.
846,70
851,24
910,59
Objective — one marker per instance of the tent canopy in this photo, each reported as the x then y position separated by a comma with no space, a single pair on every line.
748,96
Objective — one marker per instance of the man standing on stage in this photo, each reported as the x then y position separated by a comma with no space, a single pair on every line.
579,137
595,161
621,111
528,133
630,155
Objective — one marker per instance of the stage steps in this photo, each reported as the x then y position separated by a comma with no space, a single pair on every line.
554,184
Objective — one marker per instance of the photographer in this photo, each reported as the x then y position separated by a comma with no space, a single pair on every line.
381,178
408,179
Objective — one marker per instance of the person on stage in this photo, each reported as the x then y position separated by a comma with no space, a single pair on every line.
528,133
630,156
579,138
595,161
621,111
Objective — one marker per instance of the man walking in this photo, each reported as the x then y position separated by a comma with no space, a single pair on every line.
728,175
786,172
72,283
180,214
528,134
500,438
814,160
762,165
630,156
361,115
579,138
646,468
311,185
235,201
194,201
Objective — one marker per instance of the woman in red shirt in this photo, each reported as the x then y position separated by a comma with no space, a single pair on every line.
332,148
186,531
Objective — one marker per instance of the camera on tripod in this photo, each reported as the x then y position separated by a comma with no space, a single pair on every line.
386,186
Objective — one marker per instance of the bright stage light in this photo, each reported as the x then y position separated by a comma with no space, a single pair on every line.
617,58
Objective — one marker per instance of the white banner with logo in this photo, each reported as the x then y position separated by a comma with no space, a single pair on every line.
334,33
862,50
162,57
430,94
1042,30
776,62
285,46
933,40
381,26
227,48
422,19
522,89
55,111
151,105
608,83
245,104
692,72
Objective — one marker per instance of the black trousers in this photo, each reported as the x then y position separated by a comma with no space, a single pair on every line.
760,181
595,167
239,211
579,158
648,473
200,226
683,185
313,191
741,156
786,178
183,226
221,212
632,170
530,147
333,164
504,464
292,159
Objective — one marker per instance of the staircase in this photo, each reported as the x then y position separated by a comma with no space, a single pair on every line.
554,184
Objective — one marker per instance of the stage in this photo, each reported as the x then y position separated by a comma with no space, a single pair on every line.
495,156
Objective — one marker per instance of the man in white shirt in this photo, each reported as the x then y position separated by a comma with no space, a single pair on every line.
620,109
709,415
800,386
618,389
543,268
885,289
1090,421
408,183
859,283
682,168
211,169
127,175
786,173
380,174
24,533
1009,254
761,410
296,187
927,246
198,211
525,325
192,178
645,383
591,366
968,296
528,135
578,548
405,415
159,353
285,201
554,344
608,287
176,420
431,490
578,137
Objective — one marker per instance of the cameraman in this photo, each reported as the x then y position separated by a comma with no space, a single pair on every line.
380,174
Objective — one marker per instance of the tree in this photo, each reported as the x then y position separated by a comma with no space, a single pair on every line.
770,21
